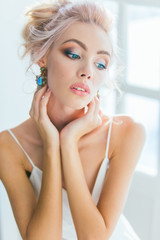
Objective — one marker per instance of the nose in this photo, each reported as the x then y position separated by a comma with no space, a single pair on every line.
85,75
85,72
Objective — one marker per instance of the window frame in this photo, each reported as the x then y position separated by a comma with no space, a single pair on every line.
122,43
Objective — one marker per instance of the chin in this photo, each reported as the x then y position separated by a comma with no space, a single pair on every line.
77,105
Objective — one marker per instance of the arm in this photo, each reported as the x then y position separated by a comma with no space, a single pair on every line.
37,219
98,222
124,158
46,221
88,221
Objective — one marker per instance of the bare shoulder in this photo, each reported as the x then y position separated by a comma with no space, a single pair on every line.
15,181
123,124
128,127
4,146
8,158
129,140
125,133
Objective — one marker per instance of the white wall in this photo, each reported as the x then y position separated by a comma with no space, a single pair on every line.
14,85
14,103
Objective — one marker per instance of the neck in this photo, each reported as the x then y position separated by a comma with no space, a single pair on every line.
60,115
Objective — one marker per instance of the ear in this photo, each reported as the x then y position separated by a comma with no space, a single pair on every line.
42,62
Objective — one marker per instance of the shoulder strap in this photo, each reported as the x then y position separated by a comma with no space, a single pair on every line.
109,136
21,146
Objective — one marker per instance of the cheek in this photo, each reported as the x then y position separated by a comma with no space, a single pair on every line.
99,79
102,77
58,73
59,68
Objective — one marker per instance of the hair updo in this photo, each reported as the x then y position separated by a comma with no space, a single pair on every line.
47,21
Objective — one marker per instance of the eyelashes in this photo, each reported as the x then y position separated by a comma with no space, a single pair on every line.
101,66
76,56
71,54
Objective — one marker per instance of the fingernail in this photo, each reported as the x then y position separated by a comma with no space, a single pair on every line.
98,98
48,90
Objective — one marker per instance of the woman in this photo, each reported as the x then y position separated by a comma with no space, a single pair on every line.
64,186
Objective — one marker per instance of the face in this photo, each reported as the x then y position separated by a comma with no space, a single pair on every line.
80,56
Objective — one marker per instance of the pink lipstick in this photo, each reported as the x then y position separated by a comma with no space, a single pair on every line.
80,89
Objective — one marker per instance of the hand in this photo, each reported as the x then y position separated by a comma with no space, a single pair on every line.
38,112
81,126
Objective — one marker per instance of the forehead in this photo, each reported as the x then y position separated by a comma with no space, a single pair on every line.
90,34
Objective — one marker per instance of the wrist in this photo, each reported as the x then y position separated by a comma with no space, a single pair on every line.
51,149
68,142
68,138
51,144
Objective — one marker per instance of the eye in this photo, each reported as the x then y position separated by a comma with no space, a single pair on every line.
71,55
101,66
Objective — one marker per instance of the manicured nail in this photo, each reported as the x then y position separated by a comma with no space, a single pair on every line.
96,98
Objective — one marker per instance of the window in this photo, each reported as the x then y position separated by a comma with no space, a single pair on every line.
138,36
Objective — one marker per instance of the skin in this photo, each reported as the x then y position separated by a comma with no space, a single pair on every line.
57,124
63,105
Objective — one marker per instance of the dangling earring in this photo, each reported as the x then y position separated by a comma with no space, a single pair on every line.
41,80
98,95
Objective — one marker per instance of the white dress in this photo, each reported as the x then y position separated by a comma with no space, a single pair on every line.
122,231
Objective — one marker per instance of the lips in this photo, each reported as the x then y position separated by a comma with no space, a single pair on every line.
81,85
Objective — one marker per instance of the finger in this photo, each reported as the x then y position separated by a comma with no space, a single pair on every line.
40,90
97,106
36,100
43,104
97,112
91,107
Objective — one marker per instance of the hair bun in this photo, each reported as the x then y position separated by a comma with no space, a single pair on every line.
47,21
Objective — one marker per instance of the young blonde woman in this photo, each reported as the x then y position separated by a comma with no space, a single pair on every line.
67,169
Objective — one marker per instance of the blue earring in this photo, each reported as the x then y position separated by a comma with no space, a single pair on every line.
41,80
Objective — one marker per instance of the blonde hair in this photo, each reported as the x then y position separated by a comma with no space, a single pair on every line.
47,21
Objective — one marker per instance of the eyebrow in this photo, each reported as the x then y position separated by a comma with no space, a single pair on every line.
84,46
